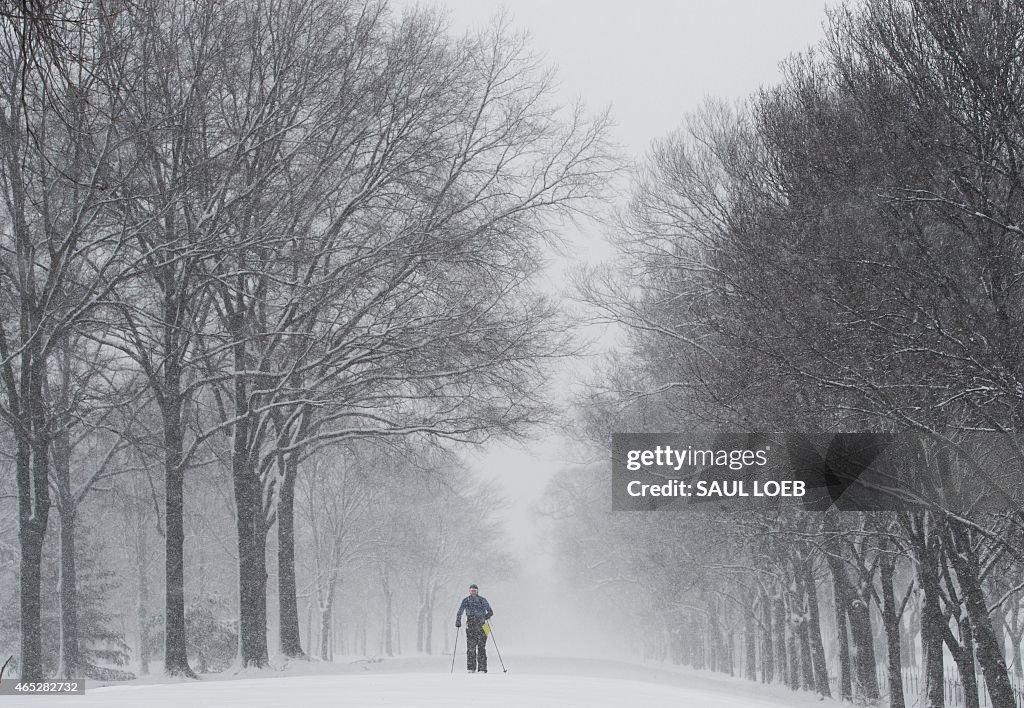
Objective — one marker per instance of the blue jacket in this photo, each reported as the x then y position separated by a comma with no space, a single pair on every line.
477,609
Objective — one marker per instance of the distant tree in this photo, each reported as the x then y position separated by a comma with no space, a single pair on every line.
334,510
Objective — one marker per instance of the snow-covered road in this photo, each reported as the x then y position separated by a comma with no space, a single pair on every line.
532,682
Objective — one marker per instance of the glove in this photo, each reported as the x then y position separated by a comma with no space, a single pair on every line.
457,624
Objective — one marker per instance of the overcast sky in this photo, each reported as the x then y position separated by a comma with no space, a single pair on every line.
652,61
655,60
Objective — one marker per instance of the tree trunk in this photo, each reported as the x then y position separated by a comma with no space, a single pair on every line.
421,630
252,564
802,628
891,622
338,638
309,626
32,469
325,624
931,641
730,651
814,627
175,638
779,629
67,582
792,652
386,589
250,519
767,645
806,669
963,655
142,598
288,604
428,640
31,662
840,592
700,646
910,626
68,596
932,620
749,641
989,656
863,639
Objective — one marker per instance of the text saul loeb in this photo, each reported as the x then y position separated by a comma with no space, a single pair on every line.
718,488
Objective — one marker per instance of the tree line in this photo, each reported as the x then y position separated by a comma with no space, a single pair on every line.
244,238
840,252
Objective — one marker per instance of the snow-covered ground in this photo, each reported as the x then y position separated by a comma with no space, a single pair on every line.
534,682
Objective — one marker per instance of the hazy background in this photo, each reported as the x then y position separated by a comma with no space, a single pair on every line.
652,62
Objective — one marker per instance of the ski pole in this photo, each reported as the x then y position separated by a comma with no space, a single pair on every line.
455,650
496,649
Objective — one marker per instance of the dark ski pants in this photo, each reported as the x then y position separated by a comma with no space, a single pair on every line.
476,643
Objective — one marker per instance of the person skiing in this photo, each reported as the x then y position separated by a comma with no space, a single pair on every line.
478,611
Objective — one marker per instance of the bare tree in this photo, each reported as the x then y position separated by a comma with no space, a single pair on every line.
399,299
60,254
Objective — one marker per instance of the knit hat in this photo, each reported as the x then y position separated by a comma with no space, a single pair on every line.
473,587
